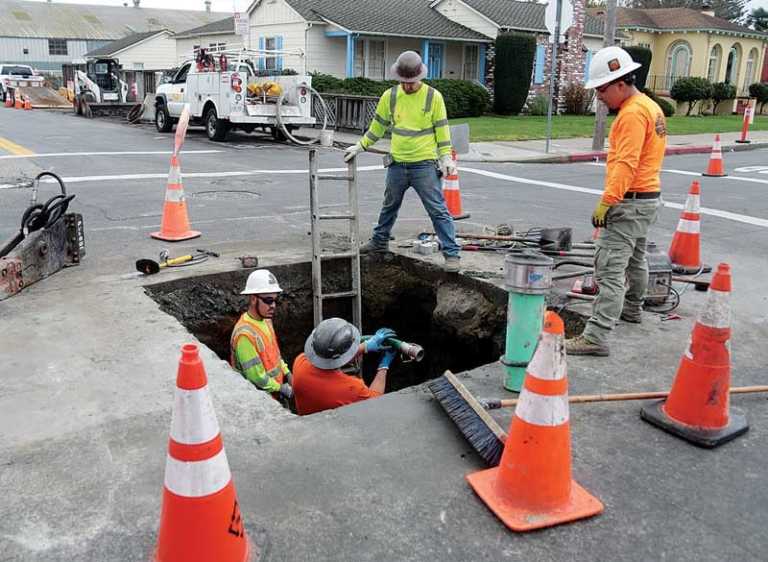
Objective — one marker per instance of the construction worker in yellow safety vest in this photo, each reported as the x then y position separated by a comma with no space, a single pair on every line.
420,153
255,353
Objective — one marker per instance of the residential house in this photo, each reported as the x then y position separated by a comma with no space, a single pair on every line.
455,37
215,36
688,42
47,35
364,37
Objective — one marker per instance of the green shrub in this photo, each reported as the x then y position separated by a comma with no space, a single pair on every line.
759,90
538,105
462,97
722,91
515,53
643,55
692,90
666,107
576,98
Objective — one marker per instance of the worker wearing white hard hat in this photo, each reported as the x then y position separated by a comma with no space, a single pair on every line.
630,201
254,351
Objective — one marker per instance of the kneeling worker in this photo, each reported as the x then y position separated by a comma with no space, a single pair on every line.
318,382
254,350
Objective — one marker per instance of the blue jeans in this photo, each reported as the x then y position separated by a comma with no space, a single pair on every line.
424,178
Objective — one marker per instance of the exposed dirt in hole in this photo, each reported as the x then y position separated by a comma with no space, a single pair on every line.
458,320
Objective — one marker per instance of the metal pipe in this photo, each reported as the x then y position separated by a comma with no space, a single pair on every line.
571,275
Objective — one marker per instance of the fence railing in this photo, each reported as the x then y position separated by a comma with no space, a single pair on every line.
346,111
661,83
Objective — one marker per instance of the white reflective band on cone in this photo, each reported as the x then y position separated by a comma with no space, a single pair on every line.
717,310
541,409
194,419
197,478
691,227
548,362
716,155
451,184
174,195
692,204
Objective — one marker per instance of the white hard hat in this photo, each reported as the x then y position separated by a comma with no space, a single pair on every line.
260,282
608,64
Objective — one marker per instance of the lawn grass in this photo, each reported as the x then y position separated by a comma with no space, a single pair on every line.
498,128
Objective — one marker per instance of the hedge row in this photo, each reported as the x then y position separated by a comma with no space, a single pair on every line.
462,98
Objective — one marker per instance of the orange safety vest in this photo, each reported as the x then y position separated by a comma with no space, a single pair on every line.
265,343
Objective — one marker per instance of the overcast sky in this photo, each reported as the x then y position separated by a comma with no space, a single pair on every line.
230,5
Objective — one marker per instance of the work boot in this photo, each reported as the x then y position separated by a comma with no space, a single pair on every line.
373,247
582,346
631,316
452,264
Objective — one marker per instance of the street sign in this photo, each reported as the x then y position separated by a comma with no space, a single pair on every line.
566,18
460,138
241,24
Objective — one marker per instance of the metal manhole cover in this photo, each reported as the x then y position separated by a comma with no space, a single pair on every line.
224,195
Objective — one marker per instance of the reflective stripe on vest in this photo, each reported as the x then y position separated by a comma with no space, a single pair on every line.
264,343
409,132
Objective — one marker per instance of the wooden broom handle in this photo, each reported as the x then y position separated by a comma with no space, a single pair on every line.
506,403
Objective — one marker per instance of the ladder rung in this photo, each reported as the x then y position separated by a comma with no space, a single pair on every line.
338,255
336,217
335,178
339,295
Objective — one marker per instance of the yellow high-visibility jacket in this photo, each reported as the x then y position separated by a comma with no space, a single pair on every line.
418,121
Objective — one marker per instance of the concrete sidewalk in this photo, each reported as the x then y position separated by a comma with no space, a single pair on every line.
575,149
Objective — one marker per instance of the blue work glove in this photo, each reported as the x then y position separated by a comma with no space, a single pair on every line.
377,341
387,358
286,391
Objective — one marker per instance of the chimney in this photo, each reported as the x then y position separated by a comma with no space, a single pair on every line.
707,10
207,5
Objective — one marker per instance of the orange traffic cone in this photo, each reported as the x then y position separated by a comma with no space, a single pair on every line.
684,252
8,100
452,192
175,224
715,167
18,104
200,519
532,486
27,104
697,406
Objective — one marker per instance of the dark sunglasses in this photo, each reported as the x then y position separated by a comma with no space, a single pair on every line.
269,301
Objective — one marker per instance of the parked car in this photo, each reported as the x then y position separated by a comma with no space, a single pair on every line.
17,75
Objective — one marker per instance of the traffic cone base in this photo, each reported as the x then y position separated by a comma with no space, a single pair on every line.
187,235
580,504
703,437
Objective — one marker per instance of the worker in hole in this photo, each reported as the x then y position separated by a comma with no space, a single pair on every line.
416,117
630,202
318,380
254,351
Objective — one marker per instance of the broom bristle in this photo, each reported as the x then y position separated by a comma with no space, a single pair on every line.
480,429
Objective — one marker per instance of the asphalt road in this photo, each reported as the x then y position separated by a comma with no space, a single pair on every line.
85,415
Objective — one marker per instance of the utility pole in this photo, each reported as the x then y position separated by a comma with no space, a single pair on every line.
552,73
601,112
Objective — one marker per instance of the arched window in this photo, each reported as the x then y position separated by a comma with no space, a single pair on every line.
715,57
732,66
749,71
678,61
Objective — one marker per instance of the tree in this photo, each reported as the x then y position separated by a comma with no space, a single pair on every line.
515,53
759,90
758,19
722,91
692,90
731,10
643,55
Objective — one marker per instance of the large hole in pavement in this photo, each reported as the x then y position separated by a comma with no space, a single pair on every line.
460,321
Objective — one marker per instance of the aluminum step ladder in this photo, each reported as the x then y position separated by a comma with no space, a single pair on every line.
353,254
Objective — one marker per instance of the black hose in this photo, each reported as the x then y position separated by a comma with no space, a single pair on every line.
40,215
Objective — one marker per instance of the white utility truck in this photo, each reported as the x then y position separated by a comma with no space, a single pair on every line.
225,91
17,76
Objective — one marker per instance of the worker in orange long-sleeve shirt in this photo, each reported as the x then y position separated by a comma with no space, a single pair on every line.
630,202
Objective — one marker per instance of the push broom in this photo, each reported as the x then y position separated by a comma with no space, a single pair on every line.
485,435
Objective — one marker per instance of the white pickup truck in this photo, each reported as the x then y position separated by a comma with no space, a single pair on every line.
225,92
16,76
